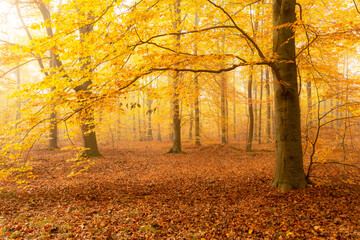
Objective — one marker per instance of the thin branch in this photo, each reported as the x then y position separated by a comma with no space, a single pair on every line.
261,55
339,163
22,64
338,119
356,7
41,64
234,66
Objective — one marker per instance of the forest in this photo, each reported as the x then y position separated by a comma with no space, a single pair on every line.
179,119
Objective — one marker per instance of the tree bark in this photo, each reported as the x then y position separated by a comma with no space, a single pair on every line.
251,111
224,110
260,103
149,136
289,171
309,103
176,147
18,82
53,134
197,93
87,115
191,121
268,104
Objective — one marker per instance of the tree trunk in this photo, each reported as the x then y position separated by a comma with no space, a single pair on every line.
251,111
139,118
224,115
268,104
176,147
255,104
53,134
87,116
134,124
149,136
159,138
18,82
309,103
197,93
234,106
191,121
260,103
289,171
223,102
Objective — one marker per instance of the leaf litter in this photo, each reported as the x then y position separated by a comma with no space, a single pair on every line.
210,192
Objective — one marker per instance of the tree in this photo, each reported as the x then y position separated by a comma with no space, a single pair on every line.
251,110
289,171
84,92
176,147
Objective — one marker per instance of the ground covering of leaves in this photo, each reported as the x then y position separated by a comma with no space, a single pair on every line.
210,192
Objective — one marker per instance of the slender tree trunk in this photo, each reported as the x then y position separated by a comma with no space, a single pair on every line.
289,171
197,93
234,106
255,104
134,125
144,128
223,102
176,147
191,121
260,104
268,104
251,111
53,134
159,138
149,136
54,62
118,127
309,103
18,82
139,118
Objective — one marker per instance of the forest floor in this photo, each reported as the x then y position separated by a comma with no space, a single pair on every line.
210,192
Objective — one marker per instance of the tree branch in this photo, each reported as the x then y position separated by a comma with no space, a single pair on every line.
260,53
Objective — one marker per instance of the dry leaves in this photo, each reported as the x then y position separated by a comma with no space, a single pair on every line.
138,192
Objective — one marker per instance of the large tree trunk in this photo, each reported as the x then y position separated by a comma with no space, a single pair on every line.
176,147
289,171
87,116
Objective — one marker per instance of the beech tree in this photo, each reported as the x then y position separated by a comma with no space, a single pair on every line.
289,171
